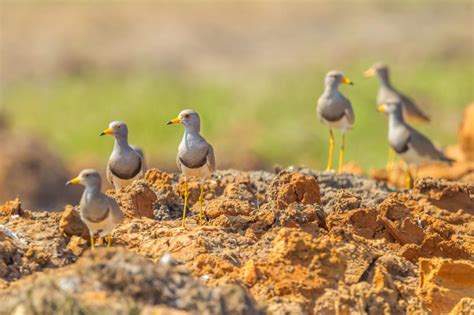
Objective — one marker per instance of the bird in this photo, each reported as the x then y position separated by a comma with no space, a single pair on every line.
195,156
387,92
126,163
99,212
335,111
411,145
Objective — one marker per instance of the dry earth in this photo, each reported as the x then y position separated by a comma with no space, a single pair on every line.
296,242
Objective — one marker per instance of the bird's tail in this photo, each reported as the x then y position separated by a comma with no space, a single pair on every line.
447,160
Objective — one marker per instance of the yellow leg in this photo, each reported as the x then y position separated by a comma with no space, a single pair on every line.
185,202
341,153
92,241
201,197
331,150
390,159
101,241
109,240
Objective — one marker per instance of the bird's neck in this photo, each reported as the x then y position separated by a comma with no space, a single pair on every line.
191,131
121,143
331,88
190,136
92,189
384,79
395,119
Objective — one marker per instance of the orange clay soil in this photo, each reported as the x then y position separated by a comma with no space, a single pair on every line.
297,242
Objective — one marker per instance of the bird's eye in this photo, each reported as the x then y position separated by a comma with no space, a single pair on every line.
119,126
186,116
86,175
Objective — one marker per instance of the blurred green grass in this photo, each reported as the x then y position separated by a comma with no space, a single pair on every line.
252,122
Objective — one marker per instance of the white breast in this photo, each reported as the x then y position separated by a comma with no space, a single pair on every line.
106,226
120,183
343,123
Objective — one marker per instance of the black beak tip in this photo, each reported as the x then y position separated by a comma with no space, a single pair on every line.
102,134
67,184
352,83
169,122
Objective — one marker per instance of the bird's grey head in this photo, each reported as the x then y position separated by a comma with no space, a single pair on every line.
380,69
88,177
391,108
336,77
118,129
189,118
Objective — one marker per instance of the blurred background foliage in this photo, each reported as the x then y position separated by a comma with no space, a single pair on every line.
252,69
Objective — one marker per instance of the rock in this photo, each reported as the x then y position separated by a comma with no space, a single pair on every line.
447,195
8,259
365,222
225,206
38,255
136,200
77,245
444,282
159,180
249,273
352,167
406,232
386,287
288,187
298,267
71,223
345,201
11,208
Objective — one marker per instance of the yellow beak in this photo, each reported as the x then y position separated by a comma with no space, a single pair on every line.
75,180
107,131
369,73
347,81
381,108
177,120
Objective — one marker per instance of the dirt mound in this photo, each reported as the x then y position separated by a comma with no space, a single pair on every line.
115,282
31,171
300,241
30,241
